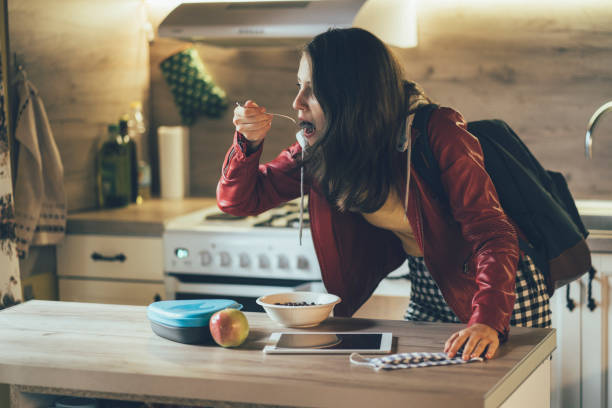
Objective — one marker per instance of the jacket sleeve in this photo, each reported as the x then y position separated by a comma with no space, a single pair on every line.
249,188
475,205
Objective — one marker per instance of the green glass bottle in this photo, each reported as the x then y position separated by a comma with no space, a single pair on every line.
113,170
131,146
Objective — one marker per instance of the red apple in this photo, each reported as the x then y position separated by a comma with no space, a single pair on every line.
229,327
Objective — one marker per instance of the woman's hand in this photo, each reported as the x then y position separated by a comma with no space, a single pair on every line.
253,122
476,338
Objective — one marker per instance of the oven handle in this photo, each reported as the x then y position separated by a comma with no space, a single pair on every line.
228,289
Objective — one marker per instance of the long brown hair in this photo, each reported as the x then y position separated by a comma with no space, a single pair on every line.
360,87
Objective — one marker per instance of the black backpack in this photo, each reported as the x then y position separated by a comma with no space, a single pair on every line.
537,200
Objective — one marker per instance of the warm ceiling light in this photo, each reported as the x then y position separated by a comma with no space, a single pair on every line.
393,21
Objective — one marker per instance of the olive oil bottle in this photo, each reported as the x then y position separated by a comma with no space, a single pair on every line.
114,177
133,160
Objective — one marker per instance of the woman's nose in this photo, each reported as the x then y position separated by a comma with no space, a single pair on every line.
298,102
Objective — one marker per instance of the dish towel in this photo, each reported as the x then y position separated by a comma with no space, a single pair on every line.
40,199
409,360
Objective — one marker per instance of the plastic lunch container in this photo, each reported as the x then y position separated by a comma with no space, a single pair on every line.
186,321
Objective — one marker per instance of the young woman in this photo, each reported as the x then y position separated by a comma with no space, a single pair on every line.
369,211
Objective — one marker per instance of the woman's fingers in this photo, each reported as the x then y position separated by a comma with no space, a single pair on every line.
479,349
469,346
492,349
462,336
248,115
476,338
256,131
473,341
251,104
450,341
249,108
252,121
253,127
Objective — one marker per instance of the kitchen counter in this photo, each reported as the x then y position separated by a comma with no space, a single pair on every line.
597,218
109,351
150,216
146,219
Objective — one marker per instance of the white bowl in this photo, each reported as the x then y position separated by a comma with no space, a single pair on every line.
298,316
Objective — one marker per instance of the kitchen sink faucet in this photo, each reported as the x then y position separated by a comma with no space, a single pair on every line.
588,143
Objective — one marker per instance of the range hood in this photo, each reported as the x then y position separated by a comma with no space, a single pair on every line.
244,23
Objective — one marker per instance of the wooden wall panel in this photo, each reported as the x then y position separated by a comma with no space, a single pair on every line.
265,75
542,67
89,60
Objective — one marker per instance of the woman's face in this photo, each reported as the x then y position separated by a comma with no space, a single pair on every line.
310,114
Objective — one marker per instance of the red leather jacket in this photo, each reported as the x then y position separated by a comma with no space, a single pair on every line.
470,246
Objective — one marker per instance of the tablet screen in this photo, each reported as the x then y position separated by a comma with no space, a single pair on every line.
329,342
364,341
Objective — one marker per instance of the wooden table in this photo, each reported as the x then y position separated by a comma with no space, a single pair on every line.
109,351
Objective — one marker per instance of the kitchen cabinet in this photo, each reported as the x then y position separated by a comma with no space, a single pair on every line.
116,255
582,359
390,299
110,269
384,306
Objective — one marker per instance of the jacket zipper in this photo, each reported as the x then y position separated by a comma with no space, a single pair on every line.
229,158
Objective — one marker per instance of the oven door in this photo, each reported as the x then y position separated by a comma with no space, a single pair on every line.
242,290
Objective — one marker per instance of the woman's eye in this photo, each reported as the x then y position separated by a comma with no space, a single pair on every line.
305,89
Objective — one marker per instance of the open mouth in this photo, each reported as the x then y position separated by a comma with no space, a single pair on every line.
309,128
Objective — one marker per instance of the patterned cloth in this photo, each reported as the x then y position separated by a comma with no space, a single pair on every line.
409,360
426,301
192,87
40,198
531,308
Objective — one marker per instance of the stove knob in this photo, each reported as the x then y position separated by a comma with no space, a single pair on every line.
264,262
180,253
225,259
283,262
303,263
205,258
245,260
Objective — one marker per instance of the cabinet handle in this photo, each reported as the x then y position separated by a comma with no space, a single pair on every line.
591,302
571,305
117,258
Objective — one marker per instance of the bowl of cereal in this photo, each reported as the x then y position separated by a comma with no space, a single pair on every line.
298,309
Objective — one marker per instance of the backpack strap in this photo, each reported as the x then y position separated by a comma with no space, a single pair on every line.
422,157
426,165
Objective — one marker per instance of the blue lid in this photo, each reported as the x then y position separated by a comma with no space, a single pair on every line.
187,313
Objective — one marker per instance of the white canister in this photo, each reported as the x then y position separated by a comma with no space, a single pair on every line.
173,143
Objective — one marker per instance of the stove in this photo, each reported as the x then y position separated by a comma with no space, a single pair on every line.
210,254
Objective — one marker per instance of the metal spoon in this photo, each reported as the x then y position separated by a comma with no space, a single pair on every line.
275,114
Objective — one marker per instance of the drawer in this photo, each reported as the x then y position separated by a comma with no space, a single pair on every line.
121,293
111,257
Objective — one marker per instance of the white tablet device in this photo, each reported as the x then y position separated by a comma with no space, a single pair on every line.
329,343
